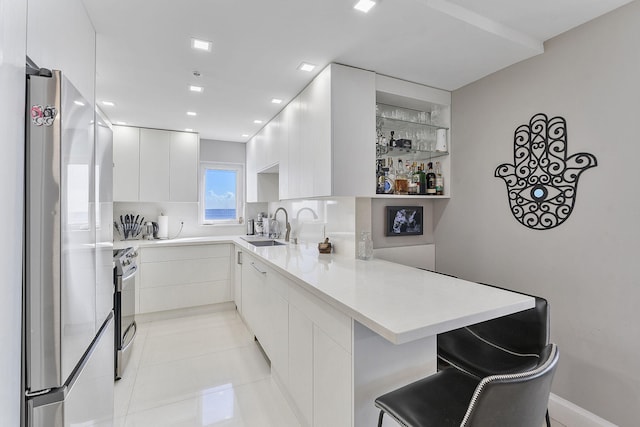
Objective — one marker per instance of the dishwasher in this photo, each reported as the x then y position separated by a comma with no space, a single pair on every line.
124,276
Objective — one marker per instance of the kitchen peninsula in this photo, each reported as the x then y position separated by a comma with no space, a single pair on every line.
341,331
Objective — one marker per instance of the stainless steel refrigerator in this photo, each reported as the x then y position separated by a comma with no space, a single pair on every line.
68,337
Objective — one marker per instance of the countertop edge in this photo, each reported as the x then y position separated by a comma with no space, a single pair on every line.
395,337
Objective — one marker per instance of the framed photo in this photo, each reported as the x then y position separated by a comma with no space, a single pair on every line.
404,221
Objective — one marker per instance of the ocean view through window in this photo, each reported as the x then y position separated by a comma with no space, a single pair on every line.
221,195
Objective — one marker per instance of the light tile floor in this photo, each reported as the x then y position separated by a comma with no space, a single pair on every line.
200,370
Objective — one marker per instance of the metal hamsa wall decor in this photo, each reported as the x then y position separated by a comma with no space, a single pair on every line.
542,183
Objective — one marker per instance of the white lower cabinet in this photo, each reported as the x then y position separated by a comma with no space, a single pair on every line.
278,321
301,364
184,276
332,399
308,342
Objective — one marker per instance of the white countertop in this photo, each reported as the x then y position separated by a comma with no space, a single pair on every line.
400,303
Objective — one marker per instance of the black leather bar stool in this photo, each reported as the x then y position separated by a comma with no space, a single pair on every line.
499,346
454,398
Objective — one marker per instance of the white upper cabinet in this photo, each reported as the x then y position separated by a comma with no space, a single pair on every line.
331,125
324,140
155,149
183,183
153,165
252,172
126,163
323,137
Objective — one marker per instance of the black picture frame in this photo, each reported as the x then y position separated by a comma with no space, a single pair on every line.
404,221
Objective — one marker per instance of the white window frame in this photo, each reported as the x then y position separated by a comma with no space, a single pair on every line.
240,196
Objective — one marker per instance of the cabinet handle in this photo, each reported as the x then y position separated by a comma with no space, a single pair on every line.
258,268
239,261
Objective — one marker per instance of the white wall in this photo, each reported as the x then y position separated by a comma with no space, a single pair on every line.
587,267
12,81
336,219
60,36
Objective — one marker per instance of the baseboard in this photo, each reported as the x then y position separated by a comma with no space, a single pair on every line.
571,415
184,312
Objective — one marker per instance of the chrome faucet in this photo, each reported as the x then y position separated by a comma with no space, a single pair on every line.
315,215
286,220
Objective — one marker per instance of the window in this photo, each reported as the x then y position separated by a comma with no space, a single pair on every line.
221,193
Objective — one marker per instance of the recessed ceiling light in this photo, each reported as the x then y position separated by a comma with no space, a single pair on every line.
188,130
276,101
109,103
258,122
364,5
193,88
121,123
80,103
191,113
305,66
245,135
201,44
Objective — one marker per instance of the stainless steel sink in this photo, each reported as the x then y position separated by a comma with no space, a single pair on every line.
265,243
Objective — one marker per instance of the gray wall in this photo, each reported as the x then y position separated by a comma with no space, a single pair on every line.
587,267
379,223
12,55
222,151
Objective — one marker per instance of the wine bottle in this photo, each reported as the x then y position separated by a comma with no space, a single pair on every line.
423,180
431,180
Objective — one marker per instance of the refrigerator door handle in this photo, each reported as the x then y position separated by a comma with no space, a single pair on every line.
134,325
42,397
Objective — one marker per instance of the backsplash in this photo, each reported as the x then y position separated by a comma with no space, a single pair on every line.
186,212
312,219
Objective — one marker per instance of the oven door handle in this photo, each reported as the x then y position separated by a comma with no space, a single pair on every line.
131,272
134,325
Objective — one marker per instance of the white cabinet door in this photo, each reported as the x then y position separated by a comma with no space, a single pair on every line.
155,146
254,277
332,379
353,109
301,363
252,171
283,147
295,171
278,316
317,153
184,276
267,156
237,280
183,174
126,163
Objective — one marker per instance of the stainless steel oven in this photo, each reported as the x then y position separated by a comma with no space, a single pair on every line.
125,272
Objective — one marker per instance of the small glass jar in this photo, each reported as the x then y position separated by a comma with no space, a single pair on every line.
365,246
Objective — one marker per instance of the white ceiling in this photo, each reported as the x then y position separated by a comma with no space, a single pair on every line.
145,63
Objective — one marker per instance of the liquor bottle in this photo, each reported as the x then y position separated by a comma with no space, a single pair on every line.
402,182
439,180
392,141
379,177
392,169
423,180
388,182
414,178
431,180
